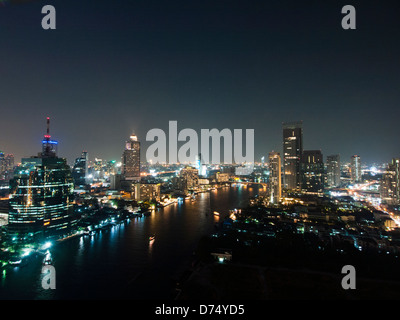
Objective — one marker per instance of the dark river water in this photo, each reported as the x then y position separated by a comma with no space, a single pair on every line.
120,262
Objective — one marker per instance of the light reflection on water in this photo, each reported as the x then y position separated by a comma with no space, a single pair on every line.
120,262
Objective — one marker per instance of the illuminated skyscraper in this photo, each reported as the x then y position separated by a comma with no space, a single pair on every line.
312,169
6,166
131,159
390,183
199,164
292,150
333,170
188,179
41,195
275,179
355,169
80,171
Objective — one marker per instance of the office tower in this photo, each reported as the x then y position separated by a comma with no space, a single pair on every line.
9,166
292,150
41,195
80,171
275,180
333,170
312,169
9,159
131,159
2,166
355,169
390,183
115,181
6,166
146,191
188,179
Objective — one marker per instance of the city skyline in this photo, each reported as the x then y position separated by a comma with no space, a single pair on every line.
120,158
108,71
199,150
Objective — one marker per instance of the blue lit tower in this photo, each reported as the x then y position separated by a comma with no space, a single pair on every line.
49,147
41,195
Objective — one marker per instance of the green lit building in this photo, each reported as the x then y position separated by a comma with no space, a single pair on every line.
41,196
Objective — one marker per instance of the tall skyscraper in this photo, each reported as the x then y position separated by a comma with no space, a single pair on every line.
312,168
292,150
2,166
131,159
80,171
6,166
41,195
390,183
333,170
355,169
275,177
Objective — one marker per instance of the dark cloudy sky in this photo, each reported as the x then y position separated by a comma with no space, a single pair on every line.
116,67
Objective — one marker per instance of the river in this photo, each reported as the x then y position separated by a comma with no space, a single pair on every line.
121,262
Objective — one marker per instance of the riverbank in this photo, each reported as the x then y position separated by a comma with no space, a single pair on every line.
120,261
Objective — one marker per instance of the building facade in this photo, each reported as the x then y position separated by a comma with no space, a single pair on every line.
355,169
146,191
41,196
333,170
188,180
390,183
292,151
275,177
80,171
131,159
6,166
313,171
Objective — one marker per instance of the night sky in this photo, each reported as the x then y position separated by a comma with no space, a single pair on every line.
116,67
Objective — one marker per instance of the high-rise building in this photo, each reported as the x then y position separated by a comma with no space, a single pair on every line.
188,179
355,169
333,170
390,183
292,150
41,195
131,159
2,167
312,169
80,171
275,179
198,163
6,166
146,191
